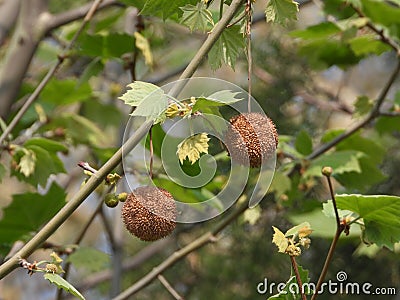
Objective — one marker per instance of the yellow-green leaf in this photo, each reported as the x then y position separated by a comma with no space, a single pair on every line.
55,258
281,11
192,147
196,17
143,44
27,163
62,283
280,240
252,215
300,230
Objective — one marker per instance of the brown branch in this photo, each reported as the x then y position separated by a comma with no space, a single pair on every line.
32,98
386,39
389,114
169,287
20,51
339,230
77,241
128,265
373,115
69,16
322,104
34,22
297,274
9,10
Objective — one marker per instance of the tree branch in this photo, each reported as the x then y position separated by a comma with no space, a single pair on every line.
21,49
32,98
34,22
298,278
339,230
373,115
386,39
66,17
77,241
9,10
131,264
169,287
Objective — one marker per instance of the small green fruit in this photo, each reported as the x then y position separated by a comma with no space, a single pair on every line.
111,200
122,196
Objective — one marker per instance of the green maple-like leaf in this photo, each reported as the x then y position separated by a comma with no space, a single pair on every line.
63,284
329,211
38,171
164,8
280,240
363,106
227,48
281,11
37,160
138,91
89,259
340,161
380,214
192,147
303,143
150,100
27,213
367,44
196,17
220,98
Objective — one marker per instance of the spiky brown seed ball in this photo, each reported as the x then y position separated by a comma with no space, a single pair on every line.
251,138
149,213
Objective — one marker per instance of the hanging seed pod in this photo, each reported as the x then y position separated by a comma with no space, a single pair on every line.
149,213
251,138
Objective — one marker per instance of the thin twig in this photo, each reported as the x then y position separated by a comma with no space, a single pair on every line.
32,98
373,115
65,212
339,230
107,227
77,241
328,178
75,14
151,153
390,114
386,39
131,263
298,279
169,287
249,54
206,46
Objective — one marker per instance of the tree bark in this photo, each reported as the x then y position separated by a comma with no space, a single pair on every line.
23,44
34,22
8,16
